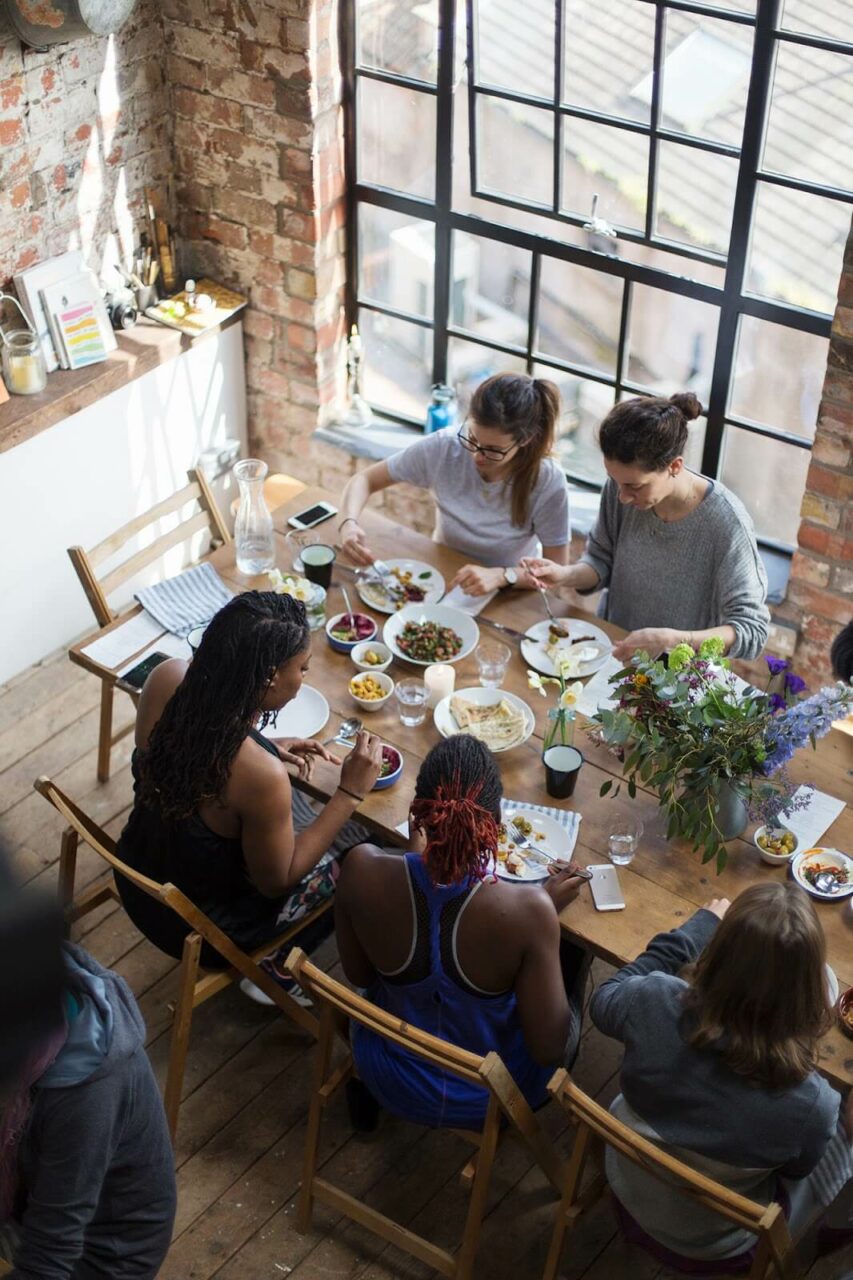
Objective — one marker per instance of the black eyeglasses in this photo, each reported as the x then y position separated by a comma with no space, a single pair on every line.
490,454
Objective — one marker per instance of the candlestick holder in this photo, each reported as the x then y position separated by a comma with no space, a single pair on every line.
359,412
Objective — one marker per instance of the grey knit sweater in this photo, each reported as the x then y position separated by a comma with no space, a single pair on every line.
699,572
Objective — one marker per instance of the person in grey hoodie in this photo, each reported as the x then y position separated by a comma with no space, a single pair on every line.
87,1181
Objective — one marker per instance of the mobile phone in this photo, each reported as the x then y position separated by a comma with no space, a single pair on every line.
312,515
606,891
137,675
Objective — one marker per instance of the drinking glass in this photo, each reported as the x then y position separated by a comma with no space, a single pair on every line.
297,540
493,660
317,561
624,840
411,701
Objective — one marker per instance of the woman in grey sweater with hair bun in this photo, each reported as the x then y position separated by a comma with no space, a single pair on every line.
676,550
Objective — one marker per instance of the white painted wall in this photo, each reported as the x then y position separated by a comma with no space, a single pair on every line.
83,478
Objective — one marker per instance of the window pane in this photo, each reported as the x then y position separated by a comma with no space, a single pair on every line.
584,404
400,36
396,260
808,132
705,76
397,363
389,117
593,77
695,196
468,364
817,17
490,289
786,263
672,342
778,376
579,314
612,163
515,145
769,478
515,45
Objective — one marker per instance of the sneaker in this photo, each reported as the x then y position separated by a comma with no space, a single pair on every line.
292,988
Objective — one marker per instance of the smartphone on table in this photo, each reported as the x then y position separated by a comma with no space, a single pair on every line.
312,515
606,890
135,678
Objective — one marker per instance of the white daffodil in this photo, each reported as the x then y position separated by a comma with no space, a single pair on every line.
534,681
285,585
568,664
569,696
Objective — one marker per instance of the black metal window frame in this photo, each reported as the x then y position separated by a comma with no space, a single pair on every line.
731,298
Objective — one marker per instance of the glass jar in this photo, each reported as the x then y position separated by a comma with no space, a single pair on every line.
24,369
253,532
315,607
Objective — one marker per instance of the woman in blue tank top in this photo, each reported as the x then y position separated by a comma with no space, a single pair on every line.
438,941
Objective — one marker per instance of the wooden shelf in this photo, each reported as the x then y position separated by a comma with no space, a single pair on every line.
68,391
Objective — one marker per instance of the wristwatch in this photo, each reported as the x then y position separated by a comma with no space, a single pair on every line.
511,577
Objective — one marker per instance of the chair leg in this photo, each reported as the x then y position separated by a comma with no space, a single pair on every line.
479,1193
105,732
568,1200
312,1136
67,867
181,1030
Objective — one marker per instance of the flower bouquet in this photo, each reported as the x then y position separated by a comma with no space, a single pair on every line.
561,730
694,738
311,595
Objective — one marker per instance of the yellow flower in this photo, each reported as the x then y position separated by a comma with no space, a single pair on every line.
569,696
534,681
641,679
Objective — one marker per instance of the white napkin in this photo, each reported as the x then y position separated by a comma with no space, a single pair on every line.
459,599
172,646
808,825
598,691
117,646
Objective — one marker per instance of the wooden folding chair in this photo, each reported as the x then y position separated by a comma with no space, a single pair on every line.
597,1128
338,1006
204,514
195,986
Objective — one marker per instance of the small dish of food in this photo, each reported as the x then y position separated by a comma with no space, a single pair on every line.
844,1009
824,873
371,690
392,767
777,845
346,630
372,655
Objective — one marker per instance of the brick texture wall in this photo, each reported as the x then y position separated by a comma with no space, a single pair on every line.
820,592
82,131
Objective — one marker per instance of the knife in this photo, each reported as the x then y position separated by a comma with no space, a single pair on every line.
507,631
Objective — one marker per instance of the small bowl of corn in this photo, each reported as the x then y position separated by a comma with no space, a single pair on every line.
372,655
371,689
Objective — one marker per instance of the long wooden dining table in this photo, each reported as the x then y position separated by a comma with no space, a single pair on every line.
665,883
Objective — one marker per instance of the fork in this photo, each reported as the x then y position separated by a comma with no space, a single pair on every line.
389,582
547,603
524,842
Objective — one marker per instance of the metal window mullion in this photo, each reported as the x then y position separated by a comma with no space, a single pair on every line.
654,118
347,37
844,195
814,322
397,201
757,104
575,370
706,11
395,313
533,309
559,18
472,38
395,78
770,433
825,43
622,350
506,348
443,187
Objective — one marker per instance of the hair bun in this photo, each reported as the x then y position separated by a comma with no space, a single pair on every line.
688,403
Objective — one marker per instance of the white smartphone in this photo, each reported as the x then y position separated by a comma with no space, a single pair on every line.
312,515
606,891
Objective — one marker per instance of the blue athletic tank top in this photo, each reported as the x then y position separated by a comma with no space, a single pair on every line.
478,1021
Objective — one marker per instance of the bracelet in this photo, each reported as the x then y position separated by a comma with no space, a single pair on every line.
346,520
351,794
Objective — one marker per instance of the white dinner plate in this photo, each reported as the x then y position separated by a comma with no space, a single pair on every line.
304,717
535,642
825,857
423,575
552,837
445,721
464,626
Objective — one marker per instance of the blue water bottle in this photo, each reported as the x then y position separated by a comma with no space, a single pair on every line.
441,411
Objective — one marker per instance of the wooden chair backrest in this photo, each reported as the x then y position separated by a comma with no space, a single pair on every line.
757,1218
98,589
330,993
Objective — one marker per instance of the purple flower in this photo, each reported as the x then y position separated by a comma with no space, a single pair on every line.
794,684
802,721
776,665
777,702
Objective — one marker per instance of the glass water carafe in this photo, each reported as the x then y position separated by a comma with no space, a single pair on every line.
253,533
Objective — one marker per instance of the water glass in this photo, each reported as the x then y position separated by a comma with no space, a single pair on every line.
493,660
297,540
317,562
562,766
624,840
411,700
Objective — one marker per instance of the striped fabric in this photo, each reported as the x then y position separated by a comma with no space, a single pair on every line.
184,602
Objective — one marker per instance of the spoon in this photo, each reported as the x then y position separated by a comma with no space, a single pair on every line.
826,882
347,729
547,603
348,605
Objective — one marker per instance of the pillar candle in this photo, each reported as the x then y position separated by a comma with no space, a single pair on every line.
440,681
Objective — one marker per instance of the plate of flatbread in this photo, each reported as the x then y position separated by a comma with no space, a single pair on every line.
499,719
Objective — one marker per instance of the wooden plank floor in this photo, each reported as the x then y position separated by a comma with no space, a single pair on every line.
242,1121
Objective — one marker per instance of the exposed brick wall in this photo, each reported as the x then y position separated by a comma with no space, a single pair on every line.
820,592
258,158
82,131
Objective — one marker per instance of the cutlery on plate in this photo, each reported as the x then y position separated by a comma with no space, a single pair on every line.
827,882
547,603
387,580
524,842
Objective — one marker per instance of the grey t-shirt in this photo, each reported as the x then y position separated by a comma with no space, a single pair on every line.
693,574
475,517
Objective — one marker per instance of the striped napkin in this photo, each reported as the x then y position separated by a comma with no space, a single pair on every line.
568,819
184,602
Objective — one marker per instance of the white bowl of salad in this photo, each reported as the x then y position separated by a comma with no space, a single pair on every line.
427,633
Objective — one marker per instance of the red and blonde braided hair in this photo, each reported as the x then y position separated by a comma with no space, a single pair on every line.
457,805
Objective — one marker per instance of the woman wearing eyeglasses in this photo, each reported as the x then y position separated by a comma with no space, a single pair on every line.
497,492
